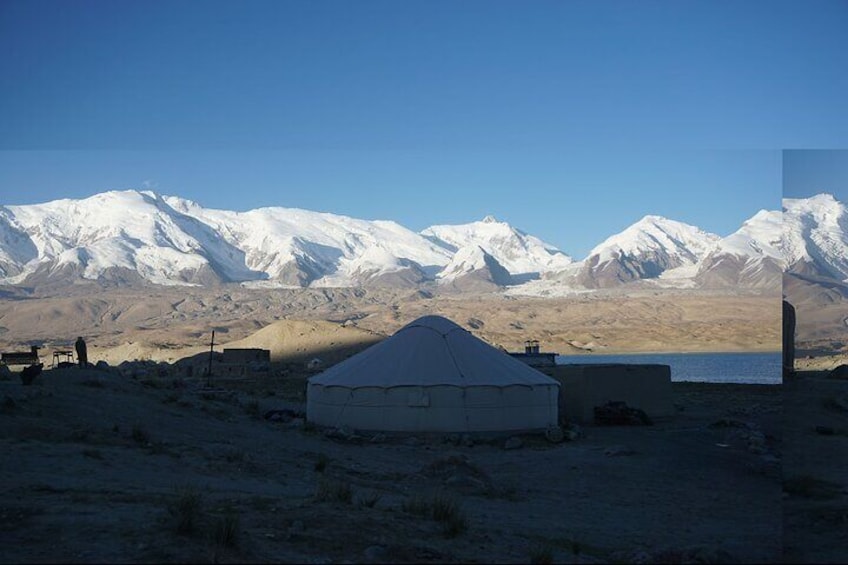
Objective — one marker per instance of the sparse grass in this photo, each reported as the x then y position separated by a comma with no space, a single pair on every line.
140,435
442,508
186,510
448,511
226,533
417,505
369,500
321,463
810,487
541,554
92,453
334,491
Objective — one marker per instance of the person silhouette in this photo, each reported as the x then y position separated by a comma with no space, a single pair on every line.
82,352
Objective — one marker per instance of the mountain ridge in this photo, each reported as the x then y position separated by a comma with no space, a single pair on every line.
168,240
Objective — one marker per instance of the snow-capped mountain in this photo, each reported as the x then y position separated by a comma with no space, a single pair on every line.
139,236
300,247
473,269
169,240
524,256
751,257
643,251
113,232
815,236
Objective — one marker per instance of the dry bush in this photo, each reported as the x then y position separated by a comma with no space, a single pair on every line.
334,491
442,508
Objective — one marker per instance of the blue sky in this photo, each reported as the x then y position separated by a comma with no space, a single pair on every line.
809,172
569,119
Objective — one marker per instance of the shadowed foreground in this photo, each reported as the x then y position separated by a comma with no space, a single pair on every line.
102,467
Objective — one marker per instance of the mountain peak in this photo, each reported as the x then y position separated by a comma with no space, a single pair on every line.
490,219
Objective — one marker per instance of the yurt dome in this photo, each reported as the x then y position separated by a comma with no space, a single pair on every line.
433,376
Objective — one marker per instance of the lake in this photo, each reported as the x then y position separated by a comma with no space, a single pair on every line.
751,368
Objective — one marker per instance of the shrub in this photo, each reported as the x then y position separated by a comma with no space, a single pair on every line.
140,435
322,462
448,511
441,508
369,500
186,510
417,505
541,554
334,491
227,530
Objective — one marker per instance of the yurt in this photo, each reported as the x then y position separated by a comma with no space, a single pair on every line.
433,376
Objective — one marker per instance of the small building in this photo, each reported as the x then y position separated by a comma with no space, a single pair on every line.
586,386
533,357
246,356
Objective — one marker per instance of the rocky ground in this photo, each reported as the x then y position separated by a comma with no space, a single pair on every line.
99,466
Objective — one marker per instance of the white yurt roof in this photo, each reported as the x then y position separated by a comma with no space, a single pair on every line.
431,351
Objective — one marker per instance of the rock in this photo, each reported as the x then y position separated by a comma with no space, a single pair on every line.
618,451
378,438
475,323
102,366
554,434
452,439
295,529
374,553
757,442
514,442
412,441
731,423
28,374
840,372
467,484
278,416
467,440
825,430
617,413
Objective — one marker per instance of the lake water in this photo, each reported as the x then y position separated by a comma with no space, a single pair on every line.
758,368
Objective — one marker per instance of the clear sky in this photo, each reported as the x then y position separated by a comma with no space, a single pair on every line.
809,172
569,119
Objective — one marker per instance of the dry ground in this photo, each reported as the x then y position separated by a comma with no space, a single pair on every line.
814,467
97,467
166,323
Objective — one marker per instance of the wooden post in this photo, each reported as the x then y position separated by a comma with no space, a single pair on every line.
211,353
